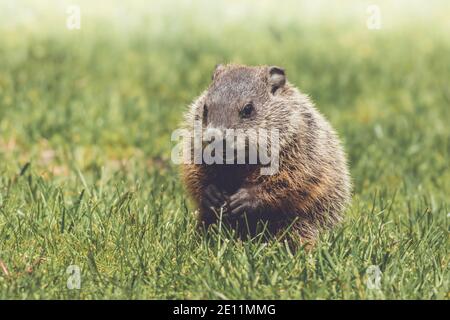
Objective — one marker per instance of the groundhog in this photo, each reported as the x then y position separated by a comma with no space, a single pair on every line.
311,188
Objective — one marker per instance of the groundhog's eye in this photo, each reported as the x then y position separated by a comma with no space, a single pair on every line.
247,110
205,113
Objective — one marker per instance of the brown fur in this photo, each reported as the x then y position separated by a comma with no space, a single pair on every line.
311,189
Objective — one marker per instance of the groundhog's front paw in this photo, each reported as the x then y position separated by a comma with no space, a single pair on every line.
245,200
213,198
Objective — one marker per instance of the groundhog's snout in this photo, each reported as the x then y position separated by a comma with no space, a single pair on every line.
214,132
211,135
217,136
219,139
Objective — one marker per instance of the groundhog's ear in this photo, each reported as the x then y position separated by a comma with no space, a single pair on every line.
217,70
277,78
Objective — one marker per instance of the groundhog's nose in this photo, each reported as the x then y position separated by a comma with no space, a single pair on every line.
220,135
214,132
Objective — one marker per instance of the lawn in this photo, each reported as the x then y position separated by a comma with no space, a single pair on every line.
87,182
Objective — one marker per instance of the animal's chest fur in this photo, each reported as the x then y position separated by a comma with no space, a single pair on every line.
230,178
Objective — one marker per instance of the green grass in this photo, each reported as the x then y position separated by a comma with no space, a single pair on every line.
91,112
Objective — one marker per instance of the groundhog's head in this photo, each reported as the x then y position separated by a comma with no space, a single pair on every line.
241,97
246,99
250,99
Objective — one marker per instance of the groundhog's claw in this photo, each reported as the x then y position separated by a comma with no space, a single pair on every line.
243,201
214,199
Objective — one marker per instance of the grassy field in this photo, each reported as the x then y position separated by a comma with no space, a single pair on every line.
86,177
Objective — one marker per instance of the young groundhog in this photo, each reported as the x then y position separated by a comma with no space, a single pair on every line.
311,187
